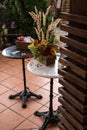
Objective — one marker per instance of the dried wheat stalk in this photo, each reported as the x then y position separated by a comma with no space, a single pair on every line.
40,18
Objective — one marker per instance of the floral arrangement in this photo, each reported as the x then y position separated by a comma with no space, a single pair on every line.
46,44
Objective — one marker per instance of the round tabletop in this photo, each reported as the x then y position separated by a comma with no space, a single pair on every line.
42,70
13,52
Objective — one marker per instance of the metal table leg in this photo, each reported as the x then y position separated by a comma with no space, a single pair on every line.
49,116
26,93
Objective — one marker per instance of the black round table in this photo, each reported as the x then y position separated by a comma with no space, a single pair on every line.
12,52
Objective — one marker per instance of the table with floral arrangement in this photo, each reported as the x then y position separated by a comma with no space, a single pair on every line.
45,53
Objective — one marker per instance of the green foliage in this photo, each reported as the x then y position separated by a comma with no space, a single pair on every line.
18,10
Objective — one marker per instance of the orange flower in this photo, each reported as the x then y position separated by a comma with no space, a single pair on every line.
54,49
40,43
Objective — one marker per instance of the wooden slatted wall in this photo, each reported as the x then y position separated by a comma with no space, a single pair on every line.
73,99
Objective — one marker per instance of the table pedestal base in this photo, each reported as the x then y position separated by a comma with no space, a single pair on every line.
24,95
49,118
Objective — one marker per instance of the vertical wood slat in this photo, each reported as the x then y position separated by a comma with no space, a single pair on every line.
78,115
66,123
75,18
78,7
75,124
72,100
72,77
74,90
61,125
74,56
74,30
74,43
74,67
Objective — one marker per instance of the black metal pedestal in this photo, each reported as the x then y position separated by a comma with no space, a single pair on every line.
49,116
26,93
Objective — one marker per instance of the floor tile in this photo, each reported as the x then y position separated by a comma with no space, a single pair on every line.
14,62
39,81
32,87
6,101
11,82
12,70
55,103
55,87
3,58
9,119
2,108
31,107
3,76
3,89
45,95
3,66
28,75
26,125
20,87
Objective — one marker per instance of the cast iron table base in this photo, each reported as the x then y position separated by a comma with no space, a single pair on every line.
26,93
49,116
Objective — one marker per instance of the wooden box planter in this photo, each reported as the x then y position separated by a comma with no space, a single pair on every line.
21,45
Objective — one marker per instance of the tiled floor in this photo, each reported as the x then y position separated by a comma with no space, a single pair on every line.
12,115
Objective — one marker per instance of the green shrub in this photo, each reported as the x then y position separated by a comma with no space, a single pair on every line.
17,10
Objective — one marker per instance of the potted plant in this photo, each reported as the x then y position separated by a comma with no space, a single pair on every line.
44,48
